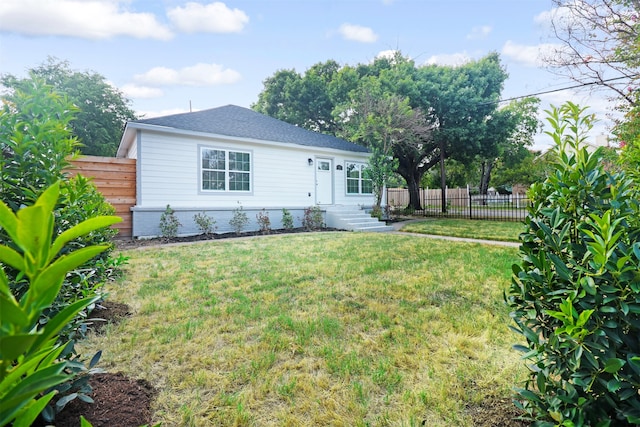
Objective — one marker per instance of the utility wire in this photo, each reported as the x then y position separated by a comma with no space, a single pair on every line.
597,82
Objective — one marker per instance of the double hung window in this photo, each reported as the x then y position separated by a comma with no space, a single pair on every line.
358,180
225,170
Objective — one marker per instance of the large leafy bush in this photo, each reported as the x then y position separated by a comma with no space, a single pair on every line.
35,146
575,296
31,352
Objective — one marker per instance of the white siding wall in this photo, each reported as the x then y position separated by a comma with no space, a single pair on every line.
281,176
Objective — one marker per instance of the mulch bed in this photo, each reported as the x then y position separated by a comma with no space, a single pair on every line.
139,243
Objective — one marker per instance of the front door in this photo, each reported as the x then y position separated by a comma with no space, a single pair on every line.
324,181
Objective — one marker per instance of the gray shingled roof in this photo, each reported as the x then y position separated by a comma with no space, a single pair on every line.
240,122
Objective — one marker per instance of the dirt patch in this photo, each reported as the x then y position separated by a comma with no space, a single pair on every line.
118,401
495,412
107,312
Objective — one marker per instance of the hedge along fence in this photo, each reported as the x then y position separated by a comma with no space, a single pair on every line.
116,179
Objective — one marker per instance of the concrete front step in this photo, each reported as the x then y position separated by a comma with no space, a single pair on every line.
354,219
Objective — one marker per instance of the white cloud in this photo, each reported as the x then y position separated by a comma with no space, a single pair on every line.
454,59
556,14
195,75
89,19
215,17
141,92
357,33
530,56
479,32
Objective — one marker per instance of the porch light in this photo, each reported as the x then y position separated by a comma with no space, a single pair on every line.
310,160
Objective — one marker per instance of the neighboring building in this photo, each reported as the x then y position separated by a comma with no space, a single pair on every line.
217,160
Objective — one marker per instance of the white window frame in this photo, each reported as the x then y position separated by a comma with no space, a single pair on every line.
227,171
361,166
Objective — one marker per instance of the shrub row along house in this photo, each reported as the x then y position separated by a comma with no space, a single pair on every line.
216,160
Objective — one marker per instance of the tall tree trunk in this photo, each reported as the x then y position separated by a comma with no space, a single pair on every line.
487,167
443,180
414,192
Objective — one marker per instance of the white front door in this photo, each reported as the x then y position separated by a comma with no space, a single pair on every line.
324,181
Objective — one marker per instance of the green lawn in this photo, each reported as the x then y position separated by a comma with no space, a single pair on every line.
329,328
475,229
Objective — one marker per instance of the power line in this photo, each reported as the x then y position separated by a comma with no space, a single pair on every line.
597,82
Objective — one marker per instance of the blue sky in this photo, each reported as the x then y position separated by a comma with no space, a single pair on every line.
166,55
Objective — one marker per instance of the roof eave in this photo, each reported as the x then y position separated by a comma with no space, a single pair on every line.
132,128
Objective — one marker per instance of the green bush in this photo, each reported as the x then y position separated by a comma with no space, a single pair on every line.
264,223
35,145
575,295
312,219
287,219
36,142
30,352
239,220
169,223
205,223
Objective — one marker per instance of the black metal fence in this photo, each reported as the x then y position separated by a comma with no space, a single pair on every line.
460,204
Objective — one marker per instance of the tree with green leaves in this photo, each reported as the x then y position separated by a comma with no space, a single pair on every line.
102,109
36,141
301,100
455,107
512,129
386,124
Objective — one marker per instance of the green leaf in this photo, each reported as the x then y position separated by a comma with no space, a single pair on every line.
11,258
14,345
12,314
613,385
85,227
636,250
84,422
613,365
95,359
30,412
46,285
561,267
54,325
8,221
29,387
588,285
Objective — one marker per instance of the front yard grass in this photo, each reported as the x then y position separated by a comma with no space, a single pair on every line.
329,328
506,231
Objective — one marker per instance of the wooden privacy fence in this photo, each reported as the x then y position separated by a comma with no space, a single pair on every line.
116,180
399,197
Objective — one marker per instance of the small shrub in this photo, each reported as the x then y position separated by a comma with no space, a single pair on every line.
287,219
312,219
169,223
239,220
409,211
376,212
205,223
263,221
388,211
575,295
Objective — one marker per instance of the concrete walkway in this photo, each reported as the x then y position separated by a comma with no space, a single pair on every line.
398,225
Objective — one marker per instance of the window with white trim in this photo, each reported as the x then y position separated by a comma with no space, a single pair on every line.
225,170
358,180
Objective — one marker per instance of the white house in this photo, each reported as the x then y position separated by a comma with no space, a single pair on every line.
217,160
